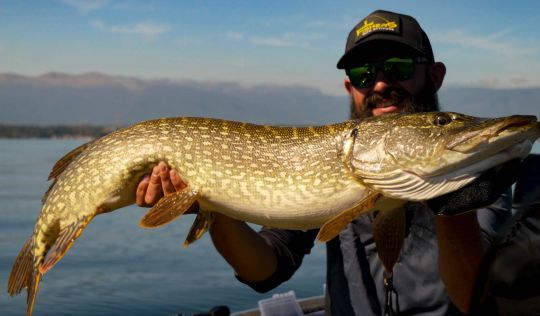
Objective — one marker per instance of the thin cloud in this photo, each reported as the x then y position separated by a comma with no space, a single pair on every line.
273,41
146,29
344,24
133,7
237,36
287,40
85,6
501,59
493,43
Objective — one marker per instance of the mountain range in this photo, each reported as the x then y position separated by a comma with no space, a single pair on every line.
100,99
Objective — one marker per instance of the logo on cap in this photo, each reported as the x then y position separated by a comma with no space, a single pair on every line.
376,24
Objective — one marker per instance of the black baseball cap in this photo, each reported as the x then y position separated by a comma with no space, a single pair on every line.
389,28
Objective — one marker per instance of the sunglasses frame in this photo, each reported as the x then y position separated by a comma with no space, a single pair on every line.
379,66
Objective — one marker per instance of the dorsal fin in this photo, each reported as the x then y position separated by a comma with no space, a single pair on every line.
44,197
62,164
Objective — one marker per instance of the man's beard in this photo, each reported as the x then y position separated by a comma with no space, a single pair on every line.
425,100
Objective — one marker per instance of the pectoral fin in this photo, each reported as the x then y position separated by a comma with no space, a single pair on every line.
389,233
169,207
200,226
335,225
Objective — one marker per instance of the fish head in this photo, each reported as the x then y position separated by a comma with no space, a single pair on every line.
423,155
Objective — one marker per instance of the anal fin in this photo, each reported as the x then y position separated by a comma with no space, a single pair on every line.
65,239
169,207
200,225
334,226
389,228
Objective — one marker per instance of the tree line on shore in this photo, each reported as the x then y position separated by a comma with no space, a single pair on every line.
55,131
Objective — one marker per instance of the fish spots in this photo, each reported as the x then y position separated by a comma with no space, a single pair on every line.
216,173
239,176
270,179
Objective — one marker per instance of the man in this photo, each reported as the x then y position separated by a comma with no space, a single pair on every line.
390,68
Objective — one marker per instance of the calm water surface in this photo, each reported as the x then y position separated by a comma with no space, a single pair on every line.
115,267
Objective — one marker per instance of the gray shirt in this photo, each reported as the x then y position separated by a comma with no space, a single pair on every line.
355,273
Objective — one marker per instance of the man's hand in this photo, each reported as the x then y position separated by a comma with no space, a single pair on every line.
247,252
162,181
482,192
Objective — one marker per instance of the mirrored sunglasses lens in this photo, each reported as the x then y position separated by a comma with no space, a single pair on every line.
399,68
362,76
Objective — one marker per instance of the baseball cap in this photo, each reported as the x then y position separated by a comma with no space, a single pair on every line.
393,28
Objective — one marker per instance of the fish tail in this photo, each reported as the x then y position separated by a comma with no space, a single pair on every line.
21,272
25,274
32,291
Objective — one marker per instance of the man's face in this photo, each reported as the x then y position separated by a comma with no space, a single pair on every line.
416,94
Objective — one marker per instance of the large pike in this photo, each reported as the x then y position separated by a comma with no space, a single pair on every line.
287,177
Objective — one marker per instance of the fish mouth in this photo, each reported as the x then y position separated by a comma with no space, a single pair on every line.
492,142
490,132
408,185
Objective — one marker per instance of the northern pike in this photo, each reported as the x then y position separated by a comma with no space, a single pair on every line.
286,177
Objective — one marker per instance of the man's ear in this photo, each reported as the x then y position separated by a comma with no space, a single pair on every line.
436,73
348,85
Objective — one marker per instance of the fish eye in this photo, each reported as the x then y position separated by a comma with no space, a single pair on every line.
442,119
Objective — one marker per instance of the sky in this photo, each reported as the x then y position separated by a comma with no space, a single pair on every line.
295,42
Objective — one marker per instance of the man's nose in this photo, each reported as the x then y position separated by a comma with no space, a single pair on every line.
382,82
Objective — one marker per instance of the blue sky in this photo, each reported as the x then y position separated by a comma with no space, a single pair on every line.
485,43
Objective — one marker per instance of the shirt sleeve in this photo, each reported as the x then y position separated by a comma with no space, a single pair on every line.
290,247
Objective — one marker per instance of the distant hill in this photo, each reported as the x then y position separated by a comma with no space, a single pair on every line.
98,99
491,102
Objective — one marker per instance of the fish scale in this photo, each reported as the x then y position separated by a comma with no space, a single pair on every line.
286,177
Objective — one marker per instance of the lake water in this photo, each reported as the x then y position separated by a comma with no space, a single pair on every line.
115,267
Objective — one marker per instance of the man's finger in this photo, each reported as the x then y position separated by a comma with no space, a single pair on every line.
154,191
176,180
141,190
166,183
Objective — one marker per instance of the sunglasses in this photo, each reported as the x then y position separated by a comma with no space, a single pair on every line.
395,69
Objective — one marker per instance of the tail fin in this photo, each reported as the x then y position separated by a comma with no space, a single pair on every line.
25,275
